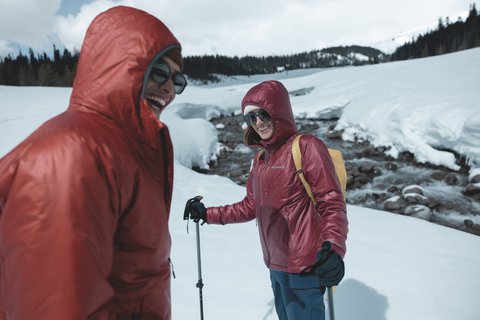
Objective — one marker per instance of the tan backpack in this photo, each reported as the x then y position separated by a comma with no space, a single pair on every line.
338,162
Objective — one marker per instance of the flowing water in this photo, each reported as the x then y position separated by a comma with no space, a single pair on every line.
373,176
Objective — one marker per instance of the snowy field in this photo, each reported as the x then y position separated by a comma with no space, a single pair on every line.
397,267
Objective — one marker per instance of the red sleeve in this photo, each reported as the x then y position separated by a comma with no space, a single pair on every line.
58,219
242,211
320,173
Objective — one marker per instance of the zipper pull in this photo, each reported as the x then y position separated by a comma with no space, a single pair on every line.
171,268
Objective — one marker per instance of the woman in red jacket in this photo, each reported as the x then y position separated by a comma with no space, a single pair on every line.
292,229
85,200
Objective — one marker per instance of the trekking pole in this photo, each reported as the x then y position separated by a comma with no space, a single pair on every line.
331,311
186,216
199,262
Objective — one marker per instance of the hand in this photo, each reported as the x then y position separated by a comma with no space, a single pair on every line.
329,267
195,210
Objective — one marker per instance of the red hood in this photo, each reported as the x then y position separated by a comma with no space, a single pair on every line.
112,65
273,97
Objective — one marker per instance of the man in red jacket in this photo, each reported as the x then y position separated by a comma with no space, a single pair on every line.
85,199
303,243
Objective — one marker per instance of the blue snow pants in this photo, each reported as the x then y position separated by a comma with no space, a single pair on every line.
297,297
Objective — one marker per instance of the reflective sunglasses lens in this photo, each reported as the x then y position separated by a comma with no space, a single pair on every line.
160,72
180,82
249,118
264,116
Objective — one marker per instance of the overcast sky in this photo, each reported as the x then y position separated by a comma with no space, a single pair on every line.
235,27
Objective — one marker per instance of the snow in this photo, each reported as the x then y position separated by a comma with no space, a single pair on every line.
413,188
473,173
397,267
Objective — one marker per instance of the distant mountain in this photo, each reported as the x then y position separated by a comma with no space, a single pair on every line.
205,67
354,54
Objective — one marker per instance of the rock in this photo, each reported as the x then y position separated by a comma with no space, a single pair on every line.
353,170
366,198
394,204
376,196
475,178
451,179
418,211
350,179
393,189
472,189
383,196
406,156
416,198
413,189
433,203
472,226
363,179
366,167
352,182
370,151
382,149
336,135
468,223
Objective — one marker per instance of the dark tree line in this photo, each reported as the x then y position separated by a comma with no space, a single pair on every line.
39,70
42,70
448,37
197,67
59,69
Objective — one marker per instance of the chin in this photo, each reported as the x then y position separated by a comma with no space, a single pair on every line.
266,137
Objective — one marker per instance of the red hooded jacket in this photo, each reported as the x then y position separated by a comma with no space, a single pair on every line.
291,228
85,200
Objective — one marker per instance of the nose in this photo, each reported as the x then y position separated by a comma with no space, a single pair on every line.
257,118
166,87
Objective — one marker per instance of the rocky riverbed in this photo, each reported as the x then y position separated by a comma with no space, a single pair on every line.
375,180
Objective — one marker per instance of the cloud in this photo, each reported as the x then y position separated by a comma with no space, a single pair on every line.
27,22
247,27
71,29
4,47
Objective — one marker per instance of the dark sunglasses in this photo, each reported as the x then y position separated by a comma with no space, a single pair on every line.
251,117
161,73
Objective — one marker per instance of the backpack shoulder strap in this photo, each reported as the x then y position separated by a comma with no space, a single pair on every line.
260,154
297,158
339,165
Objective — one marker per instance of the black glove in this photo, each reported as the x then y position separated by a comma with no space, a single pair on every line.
195,210
329,267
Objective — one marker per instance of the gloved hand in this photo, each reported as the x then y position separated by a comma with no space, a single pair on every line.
329,267
195,210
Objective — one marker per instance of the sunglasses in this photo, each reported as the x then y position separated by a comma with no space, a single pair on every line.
161,73
251,117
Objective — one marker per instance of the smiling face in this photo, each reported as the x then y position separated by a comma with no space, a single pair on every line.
262,125
158,96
